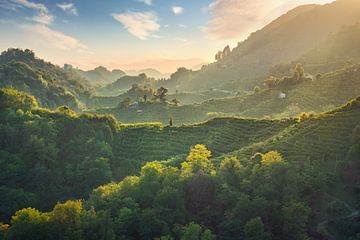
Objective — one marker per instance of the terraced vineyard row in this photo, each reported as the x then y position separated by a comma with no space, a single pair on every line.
142,144
323,140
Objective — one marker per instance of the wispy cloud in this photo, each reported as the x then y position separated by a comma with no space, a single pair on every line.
41,22
139,24
68,8
56,39
6,4
43,16
177,10
147,2
234,19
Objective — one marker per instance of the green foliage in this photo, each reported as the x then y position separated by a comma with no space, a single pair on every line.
296,217
193,231
299,71
29,223
160,94
254,230
231,171
197,161
271,158
10,98
51,85
64,155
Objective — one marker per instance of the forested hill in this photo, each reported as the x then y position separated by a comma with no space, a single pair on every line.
100,75
277,178
283,40
50,84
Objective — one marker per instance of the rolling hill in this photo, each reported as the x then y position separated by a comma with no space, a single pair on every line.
316,95
321,165
153,73
50,84
283,40
100,75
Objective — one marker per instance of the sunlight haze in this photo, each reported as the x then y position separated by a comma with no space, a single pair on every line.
134,34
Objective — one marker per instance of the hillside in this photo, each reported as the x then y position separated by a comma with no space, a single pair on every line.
100,75
137,92
90,150
306,169
283,40
317,95
153,73
123,84
51,85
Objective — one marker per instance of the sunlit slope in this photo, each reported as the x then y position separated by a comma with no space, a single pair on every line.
147,143
283,40
49,156
317,95
321,140
50,84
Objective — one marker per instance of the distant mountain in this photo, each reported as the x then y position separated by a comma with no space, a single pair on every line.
101,75
150,72
50,84
284,39
123,84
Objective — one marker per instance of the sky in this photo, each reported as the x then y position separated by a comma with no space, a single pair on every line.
134,34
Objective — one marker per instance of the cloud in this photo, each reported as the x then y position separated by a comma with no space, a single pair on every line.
234,19
139,24
56,39
68,8
177,10
147,2
5,4
43,16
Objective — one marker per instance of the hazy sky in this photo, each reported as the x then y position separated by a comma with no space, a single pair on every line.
134,34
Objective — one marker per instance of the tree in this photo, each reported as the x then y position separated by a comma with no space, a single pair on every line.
295,218
218,56
194,231
175,102
226,51
198,161
66,220
170,121
125,103
257,89
29,223
299,71
3,229
230,170
254,230
161,94
272,157
272,82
